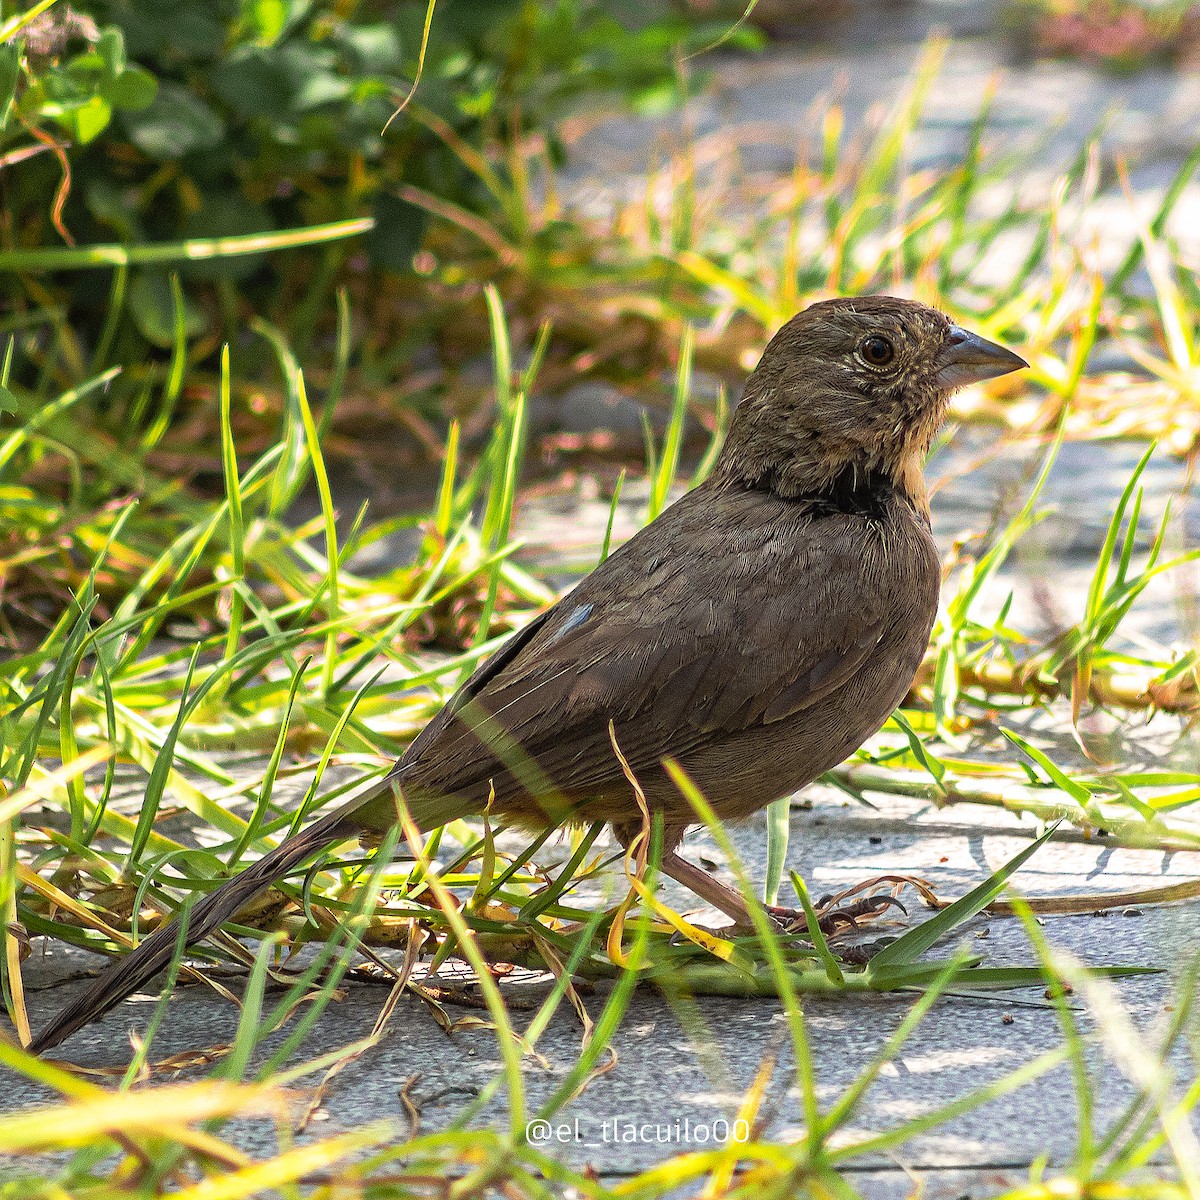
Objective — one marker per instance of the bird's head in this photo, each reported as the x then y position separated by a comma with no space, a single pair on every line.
852,388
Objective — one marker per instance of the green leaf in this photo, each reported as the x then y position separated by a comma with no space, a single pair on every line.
152,307
664,474
921,752
905,950
133,90
111,49
267,18
376,47
177,123
89,120
779,814
915,974
1080,794
815,935
317,88
1014,977
254,83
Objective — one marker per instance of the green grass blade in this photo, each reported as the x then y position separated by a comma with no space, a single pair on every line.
779,813
77,258
907,949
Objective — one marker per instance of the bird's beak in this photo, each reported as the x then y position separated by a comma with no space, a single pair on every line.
968,358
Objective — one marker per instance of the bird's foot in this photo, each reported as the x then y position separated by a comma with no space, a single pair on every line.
847,911
835,920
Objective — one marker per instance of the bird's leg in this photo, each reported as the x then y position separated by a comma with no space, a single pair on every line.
790,920
707,887
731,902
834,919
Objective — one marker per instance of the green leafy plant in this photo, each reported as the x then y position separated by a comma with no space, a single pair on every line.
164,122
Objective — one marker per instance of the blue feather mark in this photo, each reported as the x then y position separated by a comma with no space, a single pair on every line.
574,621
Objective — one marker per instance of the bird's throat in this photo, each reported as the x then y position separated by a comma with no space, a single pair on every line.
852,482
908,477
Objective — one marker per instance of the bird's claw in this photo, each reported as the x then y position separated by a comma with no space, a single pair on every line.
833,921
848,917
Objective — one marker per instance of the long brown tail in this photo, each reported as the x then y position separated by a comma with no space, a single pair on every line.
127,975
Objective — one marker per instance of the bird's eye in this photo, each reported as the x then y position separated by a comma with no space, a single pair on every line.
877,350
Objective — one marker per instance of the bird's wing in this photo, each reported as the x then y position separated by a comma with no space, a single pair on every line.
715,618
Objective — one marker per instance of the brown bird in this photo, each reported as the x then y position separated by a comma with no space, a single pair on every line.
756,633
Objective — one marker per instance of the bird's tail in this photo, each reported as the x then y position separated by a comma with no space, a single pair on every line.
128,974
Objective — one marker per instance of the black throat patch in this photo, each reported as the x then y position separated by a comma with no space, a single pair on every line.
854,493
